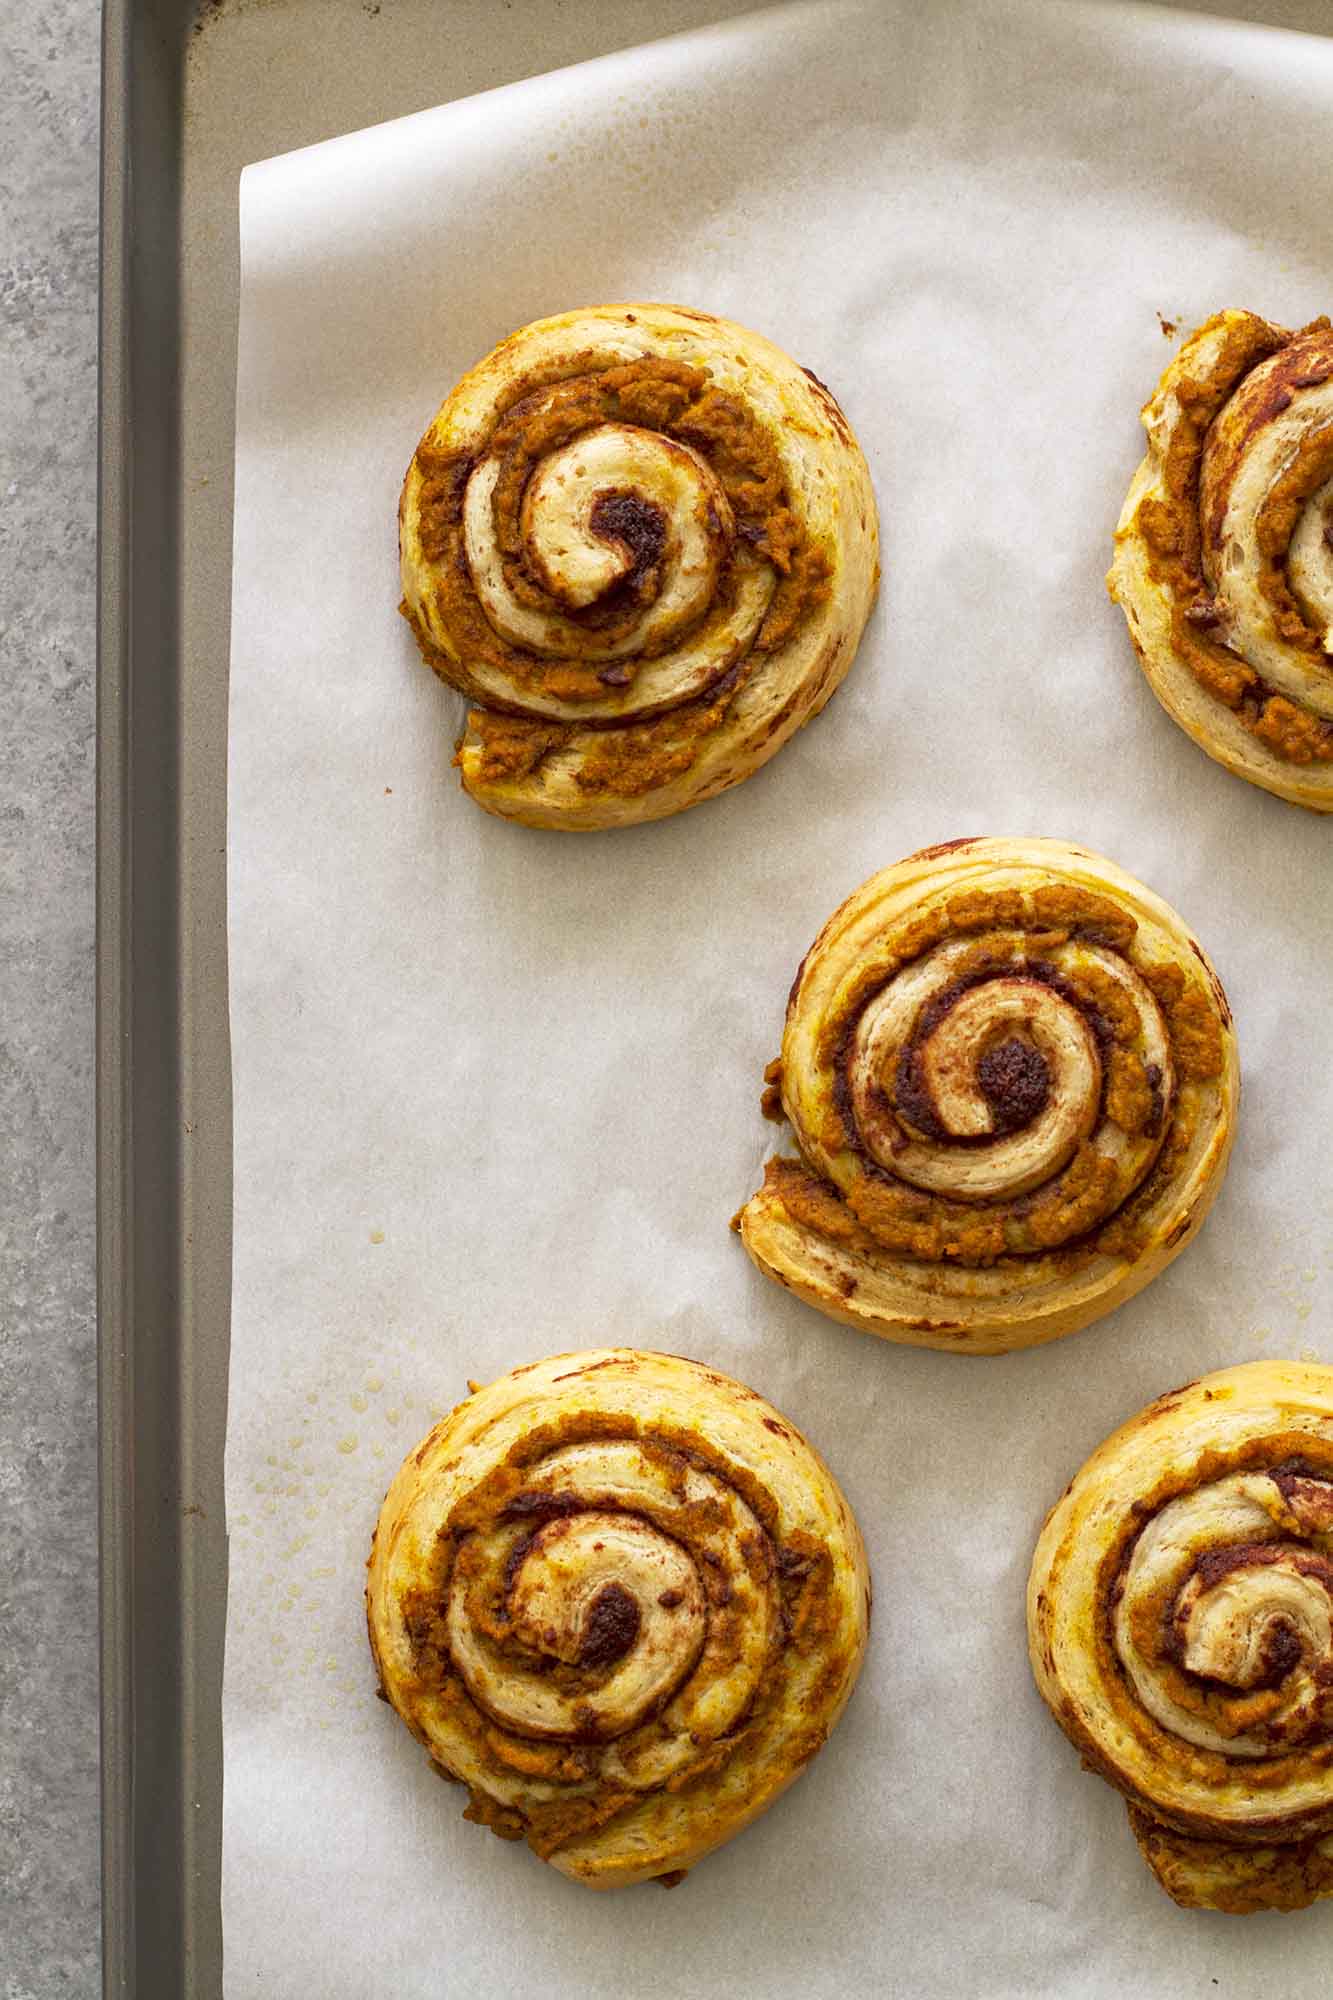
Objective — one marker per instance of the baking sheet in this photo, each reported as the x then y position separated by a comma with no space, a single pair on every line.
496,1091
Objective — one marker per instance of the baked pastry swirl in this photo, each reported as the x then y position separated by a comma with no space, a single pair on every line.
1180,1618
1011,1073
1224,551
623,1601
643,543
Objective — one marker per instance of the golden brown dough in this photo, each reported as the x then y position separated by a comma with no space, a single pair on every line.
1224,550
623,1601
643,542
1011,1073
1180,1622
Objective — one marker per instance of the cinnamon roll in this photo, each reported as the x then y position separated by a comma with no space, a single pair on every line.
1011,1075
1180,1619
1224,551
643,543
622,1600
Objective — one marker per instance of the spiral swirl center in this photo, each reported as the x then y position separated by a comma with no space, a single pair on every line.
1015,1080
621,1598
983,1092
601,1593
1225,1616
585,1589
1252,1627
623,535
610,507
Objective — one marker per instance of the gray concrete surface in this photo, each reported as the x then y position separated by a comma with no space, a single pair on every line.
49,58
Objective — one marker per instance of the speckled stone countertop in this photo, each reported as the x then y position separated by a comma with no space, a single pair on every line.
49,58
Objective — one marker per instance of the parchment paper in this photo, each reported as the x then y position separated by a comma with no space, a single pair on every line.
497,1091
